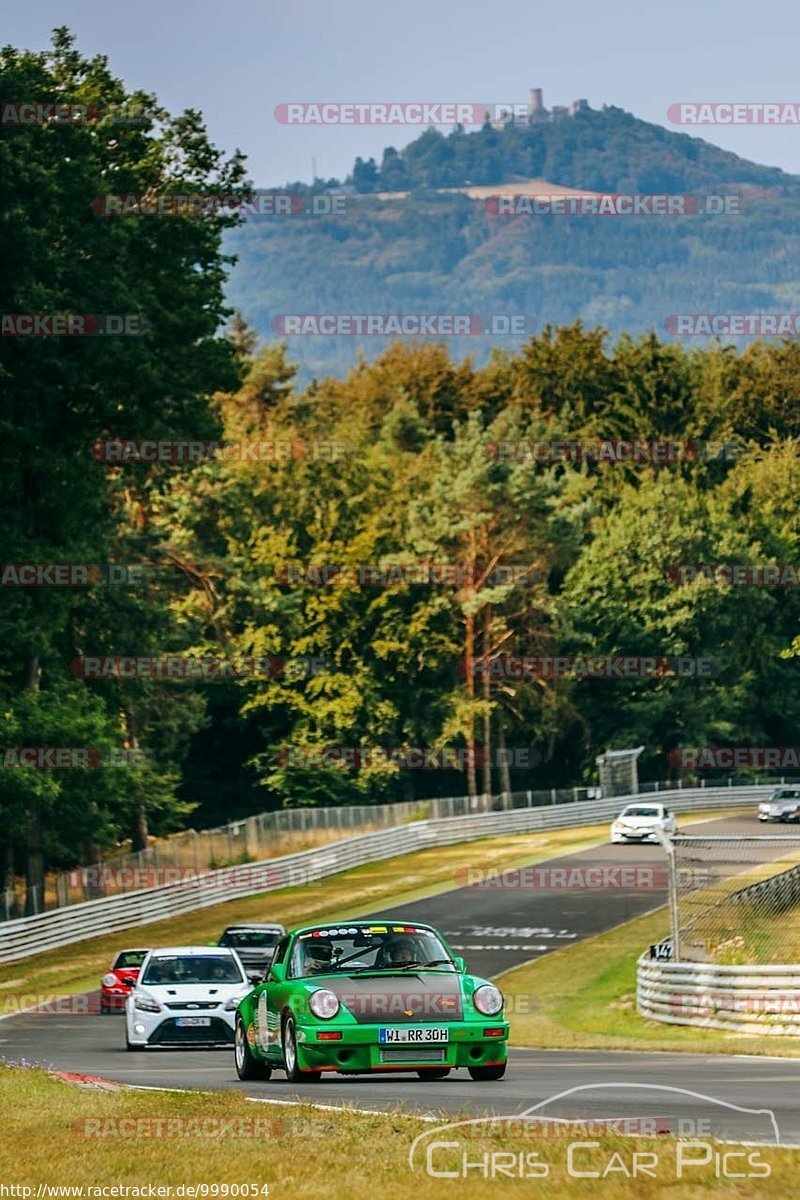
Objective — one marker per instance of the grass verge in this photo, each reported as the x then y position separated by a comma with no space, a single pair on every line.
56,1135
584,997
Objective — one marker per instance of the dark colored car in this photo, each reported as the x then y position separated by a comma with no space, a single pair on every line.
255,945
115,986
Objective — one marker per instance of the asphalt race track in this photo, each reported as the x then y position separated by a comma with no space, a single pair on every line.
494,928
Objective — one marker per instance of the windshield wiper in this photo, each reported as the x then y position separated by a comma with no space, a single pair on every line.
434,962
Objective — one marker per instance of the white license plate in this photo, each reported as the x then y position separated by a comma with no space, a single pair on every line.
418,1034
193,1021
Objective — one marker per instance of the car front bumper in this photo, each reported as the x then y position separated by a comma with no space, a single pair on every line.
113,999
634,835
359,1049
159,1029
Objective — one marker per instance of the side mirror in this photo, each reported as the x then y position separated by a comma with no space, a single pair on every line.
255,977
277,973
461,965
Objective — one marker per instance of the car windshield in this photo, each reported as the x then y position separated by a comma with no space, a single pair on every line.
192,968
638,811
786,796
257,938
130,958
374,947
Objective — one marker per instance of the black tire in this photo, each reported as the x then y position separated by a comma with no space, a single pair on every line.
293,1072
246,1063
104,1009
435,1073
481,1074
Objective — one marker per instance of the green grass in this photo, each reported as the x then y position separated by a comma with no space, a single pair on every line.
301,1152
584,997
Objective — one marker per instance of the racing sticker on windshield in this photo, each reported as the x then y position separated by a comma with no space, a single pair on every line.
344,932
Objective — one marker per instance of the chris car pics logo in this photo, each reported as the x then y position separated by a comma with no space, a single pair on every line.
687,1135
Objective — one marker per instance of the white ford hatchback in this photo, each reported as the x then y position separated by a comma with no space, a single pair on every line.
185,996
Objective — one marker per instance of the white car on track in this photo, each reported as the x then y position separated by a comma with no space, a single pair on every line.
185,996
639,822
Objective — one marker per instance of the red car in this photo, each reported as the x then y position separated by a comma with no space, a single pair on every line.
116,985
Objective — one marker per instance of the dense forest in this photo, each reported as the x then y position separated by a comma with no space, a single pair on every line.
415,459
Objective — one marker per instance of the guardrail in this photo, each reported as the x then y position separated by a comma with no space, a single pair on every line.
738,999
779,892
279,832
27,936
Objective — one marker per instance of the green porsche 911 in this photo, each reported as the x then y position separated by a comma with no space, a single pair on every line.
368,996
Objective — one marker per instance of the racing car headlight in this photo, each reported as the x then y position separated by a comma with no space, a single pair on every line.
488,999
146,1004
324,1004
110,980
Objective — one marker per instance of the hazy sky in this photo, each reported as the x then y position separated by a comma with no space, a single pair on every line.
236,62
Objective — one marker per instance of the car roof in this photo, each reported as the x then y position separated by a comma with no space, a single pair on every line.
376,923
270,925
132,950
188,951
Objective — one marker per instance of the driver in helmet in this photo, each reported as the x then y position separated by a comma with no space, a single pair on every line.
318,956
400,951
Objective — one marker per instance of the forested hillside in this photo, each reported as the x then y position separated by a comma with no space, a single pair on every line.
443,253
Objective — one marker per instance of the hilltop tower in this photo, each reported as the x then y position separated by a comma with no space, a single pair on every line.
536,109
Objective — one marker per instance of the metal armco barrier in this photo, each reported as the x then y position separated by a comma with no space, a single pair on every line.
27,936
781,891
739,999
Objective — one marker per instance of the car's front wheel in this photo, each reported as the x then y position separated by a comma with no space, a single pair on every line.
290,1065
494,1071
247,1065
